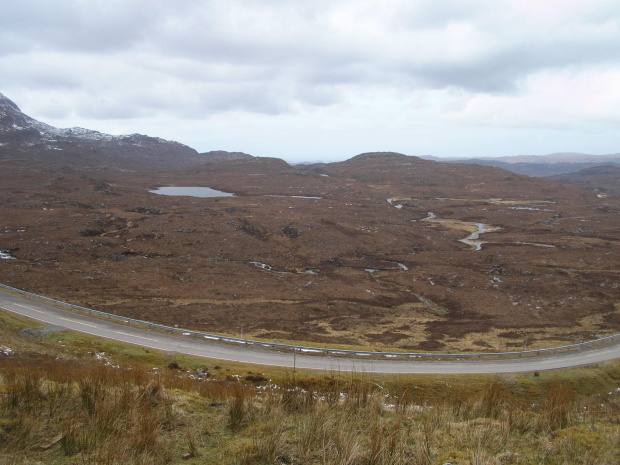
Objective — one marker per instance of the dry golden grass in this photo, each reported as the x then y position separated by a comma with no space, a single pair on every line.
71,412
59,404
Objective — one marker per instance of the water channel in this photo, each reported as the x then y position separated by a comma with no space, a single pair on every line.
473,239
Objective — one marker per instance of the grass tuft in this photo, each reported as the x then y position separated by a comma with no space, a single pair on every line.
77,410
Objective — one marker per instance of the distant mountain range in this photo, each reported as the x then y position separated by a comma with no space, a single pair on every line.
597,173
560,157
540,165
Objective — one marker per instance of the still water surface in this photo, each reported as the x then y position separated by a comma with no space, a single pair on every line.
202,192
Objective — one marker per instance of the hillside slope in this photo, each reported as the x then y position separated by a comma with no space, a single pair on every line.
604,180
28,144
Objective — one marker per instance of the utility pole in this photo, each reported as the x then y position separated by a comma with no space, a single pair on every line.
241,337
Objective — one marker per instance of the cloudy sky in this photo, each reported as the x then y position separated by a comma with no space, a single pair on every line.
308,80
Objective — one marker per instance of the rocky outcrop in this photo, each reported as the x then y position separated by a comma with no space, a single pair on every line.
31,144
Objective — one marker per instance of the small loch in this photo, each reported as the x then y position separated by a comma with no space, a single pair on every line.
190,191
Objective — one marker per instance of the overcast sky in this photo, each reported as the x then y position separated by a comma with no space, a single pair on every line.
309,80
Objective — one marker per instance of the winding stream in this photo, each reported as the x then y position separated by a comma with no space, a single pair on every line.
473,240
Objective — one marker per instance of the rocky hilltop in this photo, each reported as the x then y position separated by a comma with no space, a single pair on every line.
222,155
30,144
540,165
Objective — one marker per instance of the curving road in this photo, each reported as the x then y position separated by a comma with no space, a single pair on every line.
216,350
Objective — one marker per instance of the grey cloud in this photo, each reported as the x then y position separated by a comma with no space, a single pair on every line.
15,71
315,52
76,26
270,98
502,71
437,14
271,56
192,101
104,110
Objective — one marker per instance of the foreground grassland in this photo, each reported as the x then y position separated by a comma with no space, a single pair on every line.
67,399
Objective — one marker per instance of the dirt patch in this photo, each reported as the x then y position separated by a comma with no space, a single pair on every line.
386,337
511,335
427,346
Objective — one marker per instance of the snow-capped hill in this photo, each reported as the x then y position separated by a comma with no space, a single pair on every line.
24,139
12,119
80,133
6,105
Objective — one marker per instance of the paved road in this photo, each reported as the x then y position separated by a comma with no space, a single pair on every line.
220,351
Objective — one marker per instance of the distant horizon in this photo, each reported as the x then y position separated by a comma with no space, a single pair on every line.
454,158
333,159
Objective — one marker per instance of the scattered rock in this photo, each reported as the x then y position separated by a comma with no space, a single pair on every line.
334,261
91,232
38,333
255,378
147,211
290,231
253,231
497,270
184,229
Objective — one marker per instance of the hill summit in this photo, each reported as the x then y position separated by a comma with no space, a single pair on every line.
29,143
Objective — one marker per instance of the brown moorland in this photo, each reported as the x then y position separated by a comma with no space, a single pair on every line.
366,252
604,180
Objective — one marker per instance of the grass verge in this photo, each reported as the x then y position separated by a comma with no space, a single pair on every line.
67,398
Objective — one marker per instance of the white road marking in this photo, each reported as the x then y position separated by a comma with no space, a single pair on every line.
77,322
139,337
387,367
29,308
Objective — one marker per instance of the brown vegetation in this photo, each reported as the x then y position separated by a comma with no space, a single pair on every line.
349,268
67,411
